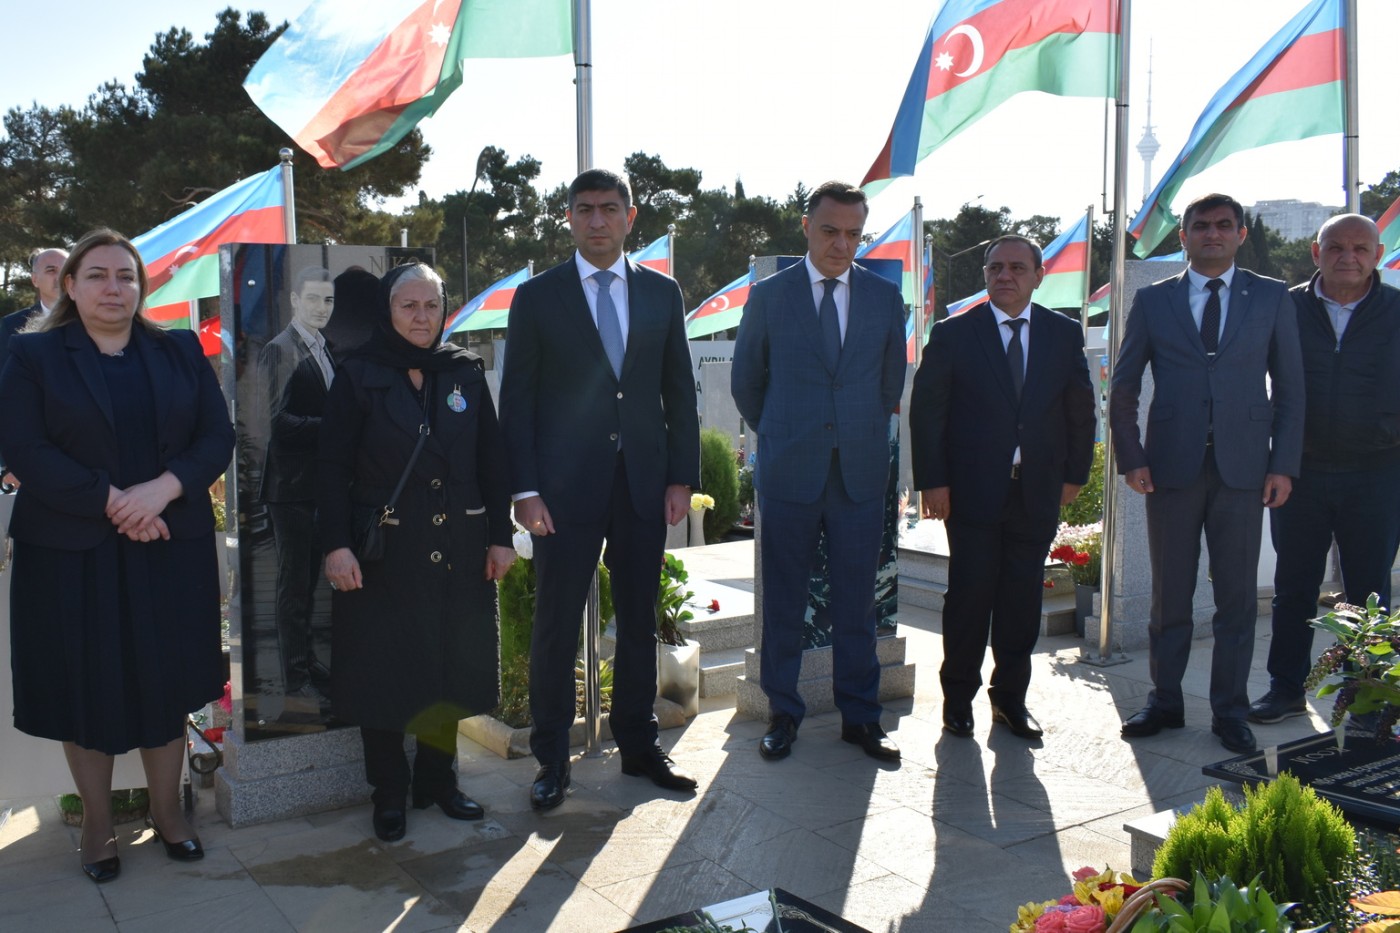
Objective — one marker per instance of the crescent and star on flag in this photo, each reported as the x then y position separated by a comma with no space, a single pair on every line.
944,61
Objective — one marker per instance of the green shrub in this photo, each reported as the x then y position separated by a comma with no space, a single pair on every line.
1284,833
1087,507
719,479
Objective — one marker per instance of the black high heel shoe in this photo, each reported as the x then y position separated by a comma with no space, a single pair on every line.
103,870
187,851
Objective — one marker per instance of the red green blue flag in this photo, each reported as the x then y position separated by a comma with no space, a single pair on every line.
1291,89
896,243
182,254
655,255
1066,262
1390,229
722,310
350,78
980,53
489,310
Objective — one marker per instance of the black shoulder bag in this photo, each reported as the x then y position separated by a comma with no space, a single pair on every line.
367,529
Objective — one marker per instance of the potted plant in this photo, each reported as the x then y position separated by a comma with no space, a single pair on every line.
1080,548
677,661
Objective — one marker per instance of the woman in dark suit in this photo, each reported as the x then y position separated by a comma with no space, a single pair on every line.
116,429
416,642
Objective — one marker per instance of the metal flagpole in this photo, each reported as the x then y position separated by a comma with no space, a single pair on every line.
1117,273
671,249
1351,136
919,271
1088,272
583,82
289,212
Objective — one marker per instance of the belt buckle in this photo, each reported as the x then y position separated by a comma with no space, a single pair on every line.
1015,471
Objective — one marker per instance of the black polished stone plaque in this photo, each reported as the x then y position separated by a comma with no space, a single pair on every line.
1361,776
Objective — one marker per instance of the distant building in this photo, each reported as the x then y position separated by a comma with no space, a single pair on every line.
1292,219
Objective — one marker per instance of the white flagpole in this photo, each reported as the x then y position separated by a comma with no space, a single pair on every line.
289,212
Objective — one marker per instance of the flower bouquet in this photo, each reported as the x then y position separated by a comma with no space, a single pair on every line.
1080,547
1096,900
1361,668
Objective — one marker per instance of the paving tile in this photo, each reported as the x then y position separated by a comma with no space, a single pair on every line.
71,903
720,821
799,861
507,885
602,846
150,881
891,904
237,913
806,796
675,890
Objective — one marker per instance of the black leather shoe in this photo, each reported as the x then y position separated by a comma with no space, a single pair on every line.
1234,735
103,870
1019,721
872,740
550,787
782,732
1276,706
390,820
957,720
454,803
187,851
658,766
1149,721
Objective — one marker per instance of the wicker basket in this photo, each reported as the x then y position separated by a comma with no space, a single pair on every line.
1143,900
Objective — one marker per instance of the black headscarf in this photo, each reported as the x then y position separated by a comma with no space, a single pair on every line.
388,346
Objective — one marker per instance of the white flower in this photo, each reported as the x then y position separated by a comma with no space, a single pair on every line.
524,544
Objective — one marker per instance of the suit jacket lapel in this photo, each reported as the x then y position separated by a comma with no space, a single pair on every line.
1179,306
1239,307
1040,351
638,318
83,352
576,313
805,307
985,326
856,323
156,358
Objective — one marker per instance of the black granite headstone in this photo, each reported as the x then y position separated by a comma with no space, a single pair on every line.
772,911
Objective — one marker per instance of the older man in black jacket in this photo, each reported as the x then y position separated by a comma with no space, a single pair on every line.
1349,327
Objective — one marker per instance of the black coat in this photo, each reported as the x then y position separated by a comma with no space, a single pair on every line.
296,391
420,639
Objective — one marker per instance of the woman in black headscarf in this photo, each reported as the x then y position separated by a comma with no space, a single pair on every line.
414,628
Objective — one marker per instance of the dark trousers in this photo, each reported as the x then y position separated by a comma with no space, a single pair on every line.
1233,526
1362,510
564,563
386,765
788,549
996,573
298,567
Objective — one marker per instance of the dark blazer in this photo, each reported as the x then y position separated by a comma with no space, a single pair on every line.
965,423
1257,429
11,324
562,409
59,437
796,405
296,398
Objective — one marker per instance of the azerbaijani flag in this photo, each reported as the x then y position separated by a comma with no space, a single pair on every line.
980,53
350,78
1390,269
722,310
1066,262
1291,89
896,243
1390,230
182,254
490,309
655,255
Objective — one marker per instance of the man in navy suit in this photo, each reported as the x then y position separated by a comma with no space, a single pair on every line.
1002,419
1224,439
296,369
818,370
44,268
599,416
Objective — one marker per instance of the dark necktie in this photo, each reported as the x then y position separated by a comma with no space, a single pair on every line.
831,325
1210,317
609,327
1016,356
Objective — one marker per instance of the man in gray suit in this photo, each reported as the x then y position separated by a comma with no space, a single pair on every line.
1224,439
818,370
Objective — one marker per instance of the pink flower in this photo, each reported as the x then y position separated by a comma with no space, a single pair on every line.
1085,873
226,701
1069,900
1052,921
1089,919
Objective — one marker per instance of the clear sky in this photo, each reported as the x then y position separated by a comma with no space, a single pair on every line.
780,92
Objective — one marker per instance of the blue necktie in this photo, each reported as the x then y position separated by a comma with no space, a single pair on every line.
609,329
831,324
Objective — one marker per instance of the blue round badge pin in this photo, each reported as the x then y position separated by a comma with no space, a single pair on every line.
455,401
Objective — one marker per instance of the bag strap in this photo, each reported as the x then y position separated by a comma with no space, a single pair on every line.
423,432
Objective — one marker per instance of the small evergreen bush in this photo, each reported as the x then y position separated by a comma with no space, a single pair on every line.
719,479
1087,507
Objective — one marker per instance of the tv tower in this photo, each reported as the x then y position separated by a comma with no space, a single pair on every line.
1147,147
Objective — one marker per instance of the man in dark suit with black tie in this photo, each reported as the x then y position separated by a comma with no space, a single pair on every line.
44,268
818,370
1224,439
297,368
1002,417
599,416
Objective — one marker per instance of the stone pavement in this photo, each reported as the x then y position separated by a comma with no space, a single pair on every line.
952,840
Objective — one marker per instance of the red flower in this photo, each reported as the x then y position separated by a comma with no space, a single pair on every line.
714,605
1048,584
1063,552
1080,559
